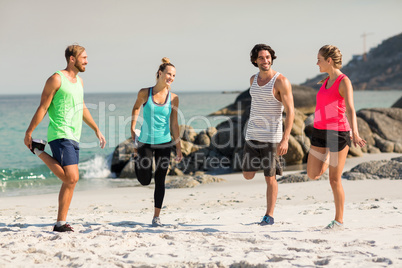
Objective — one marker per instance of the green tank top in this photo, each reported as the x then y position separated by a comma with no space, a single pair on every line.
66,111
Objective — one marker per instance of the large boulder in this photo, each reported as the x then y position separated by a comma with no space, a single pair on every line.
211,131
298,123
398,103
203,139
186,147
129,170
295,152
304,98
365,131
121,155
228,136
386,122
384,145
187,133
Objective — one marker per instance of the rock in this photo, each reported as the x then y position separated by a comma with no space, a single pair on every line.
304,98
393,170
398,103
295,152
228,136
206,179
203,139
378,169
398,147
190,181
398,159
384,145
305,143
237,160
174,171
238,107
365,131
186,147
298,123
354,176
199,157
121,155
129,170
386,122
187,133
180,182
373,150
211,131
355,151
299,177
369,167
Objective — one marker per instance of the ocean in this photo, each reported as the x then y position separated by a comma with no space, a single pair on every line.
22,173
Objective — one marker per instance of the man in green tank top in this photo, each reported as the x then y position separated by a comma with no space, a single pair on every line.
63,99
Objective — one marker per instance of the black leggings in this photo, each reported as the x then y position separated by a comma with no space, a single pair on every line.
143,167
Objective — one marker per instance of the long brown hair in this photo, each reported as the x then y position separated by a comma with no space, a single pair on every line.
330,51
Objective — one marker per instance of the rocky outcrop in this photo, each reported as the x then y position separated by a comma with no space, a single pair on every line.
385,122
376,170
397,104
220,149
380,69
122,155
303,97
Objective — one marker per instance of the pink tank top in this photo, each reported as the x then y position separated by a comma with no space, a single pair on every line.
330,109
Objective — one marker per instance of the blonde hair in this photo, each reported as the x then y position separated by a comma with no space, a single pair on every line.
330,51
165,62
74,50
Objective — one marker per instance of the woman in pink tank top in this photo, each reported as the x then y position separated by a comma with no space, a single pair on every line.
333,131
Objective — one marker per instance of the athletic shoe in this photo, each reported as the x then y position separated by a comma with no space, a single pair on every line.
334,225
267,220
39,144
156,222
64,228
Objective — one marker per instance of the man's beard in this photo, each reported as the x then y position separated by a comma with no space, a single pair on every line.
80,67
264,69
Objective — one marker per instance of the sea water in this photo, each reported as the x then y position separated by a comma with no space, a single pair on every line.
22,173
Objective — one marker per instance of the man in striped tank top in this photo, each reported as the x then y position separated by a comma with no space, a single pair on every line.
271,93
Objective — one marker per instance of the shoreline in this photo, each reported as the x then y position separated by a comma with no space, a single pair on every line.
211,225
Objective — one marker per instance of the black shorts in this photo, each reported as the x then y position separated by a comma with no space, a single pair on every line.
261,155
334,140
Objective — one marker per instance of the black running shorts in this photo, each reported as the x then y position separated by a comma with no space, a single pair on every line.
261,155
334,140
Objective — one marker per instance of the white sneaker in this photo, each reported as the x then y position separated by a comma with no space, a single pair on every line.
334,225
156,222
38,144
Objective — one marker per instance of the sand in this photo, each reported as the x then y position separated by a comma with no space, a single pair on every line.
211,225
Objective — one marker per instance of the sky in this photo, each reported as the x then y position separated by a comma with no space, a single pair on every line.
209,41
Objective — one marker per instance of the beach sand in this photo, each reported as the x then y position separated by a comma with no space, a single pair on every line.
211,225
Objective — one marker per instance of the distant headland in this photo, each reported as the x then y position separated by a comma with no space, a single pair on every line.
379,69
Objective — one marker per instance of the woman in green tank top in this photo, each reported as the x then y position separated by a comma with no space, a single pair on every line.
160,108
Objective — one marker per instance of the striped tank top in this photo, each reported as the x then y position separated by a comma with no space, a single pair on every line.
265,122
